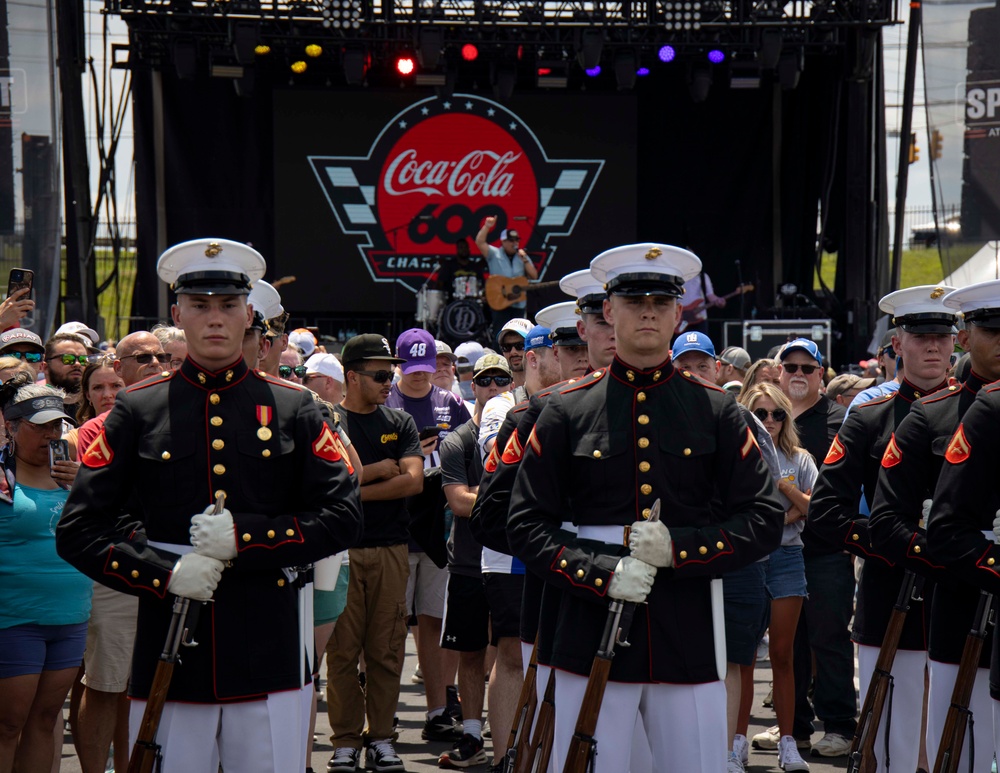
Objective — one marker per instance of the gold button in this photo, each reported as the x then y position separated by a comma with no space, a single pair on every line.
165,456
630,375
214,399
643,419
165,373
646,513
644,442
990,561
580,573
246,537
719,545
229,376
215,421
156,583
563,563
646,489
641,397
687,452
265,453
656,375
643,466
270,533
598,582
220,493
114,564
916,548
687,373
855,537
703,550
219,469
597,454
202,378
281,583
683,554
289,532
218,444
135,574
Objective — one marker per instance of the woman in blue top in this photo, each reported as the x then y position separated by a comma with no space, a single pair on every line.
44,602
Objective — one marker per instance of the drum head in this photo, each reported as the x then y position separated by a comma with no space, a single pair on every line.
462,320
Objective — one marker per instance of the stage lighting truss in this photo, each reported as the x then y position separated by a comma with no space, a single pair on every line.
341,14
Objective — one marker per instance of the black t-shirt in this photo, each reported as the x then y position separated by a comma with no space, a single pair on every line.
817,428
384,434
462,464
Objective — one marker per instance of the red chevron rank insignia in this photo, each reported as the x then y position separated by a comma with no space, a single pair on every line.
749,444
892,455
490,465
325,446
534,442
958,449
512,452
98,453
836,452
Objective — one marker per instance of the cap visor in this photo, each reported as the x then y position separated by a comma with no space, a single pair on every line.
929,328
575,341
44,417
212,289
419,367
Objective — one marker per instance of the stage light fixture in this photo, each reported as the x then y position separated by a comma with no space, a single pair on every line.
642,72
313,50
355,64
682,14
700,82
504,80
405,65
429,45
593,72
185,58
625,69
552,75
262,50
770,49
299,67
716,56
341,14
666,54
469,52
591,45
243,40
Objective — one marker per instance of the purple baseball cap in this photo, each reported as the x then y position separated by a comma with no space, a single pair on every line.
417,349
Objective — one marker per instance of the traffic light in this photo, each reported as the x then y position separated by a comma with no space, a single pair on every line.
914,150
936,142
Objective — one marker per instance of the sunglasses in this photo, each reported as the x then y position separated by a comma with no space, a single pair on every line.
26,356
519,345
144,359
70,359
793,367
285,371
378,376
777,414
485,381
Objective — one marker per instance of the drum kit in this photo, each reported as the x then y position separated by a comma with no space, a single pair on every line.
460,319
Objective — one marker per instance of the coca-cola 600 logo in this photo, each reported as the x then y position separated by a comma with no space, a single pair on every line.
433,175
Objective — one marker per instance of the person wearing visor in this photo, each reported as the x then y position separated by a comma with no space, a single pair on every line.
174,448
864,444
24,345
44,602
602,454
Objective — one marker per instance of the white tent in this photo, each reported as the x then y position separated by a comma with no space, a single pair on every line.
981,267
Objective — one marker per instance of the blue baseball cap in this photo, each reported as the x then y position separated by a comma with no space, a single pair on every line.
538,337
802,344
693,342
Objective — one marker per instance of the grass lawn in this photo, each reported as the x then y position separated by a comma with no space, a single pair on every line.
919,266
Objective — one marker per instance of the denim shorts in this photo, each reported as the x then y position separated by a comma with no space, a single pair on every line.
786,573
746,611
31,649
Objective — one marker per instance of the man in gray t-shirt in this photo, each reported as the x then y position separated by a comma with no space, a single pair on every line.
506,260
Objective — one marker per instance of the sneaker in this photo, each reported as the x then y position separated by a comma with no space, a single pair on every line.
831,745
418,676
466,753
487,733
734,764
440,728
763,649
768,740
382,758
741,748
344,760
789,758
768,702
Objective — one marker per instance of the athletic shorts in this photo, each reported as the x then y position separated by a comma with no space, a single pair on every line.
786,573
30,648
466,615
107,661
503,593
746,607
426,586
329,604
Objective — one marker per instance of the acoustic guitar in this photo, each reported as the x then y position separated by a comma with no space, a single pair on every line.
690,313
502,291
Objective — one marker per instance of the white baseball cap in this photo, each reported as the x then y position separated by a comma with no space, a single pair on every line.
327,365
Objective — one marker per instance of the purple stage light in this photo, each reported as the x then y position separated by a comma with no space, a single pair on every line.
642,71
715,56
593,72
667,53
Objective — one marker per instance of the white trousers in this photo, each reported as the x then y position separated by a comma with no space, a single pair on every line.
266,736
942,683
907,706
684,724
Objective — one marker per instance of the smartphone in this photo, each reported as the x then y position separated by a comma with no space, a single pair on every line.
58,452
18,279
428,432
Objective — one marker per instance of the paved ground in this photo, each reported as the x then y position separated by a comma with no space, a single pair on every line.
422,756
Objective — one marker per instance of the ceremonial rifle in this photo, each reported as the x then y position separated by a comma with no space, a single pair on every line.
959,716
520,730
146,752
861,758
535,758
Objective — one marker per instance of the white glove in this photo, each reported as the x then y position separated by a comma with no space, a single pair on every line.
925,510
650,542
195,577
632,580
214,535
996,526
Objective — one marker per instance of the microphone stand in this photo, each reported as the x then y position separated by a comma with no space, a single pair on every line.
739,283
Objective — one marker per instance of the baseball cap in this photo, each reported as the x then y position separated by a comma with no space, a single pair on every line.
368,346
804,345
211,267
417,351
539,337
735,356
846,382
468,353
692,342
18,335
79,329
491,362
517,325
327,365
304,339
510,233
265,299
38,410
443,348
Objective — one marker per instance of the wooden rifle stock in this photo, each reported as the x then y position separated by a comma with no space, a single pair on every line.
520,731
536,758
861,758
582,747
955,723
